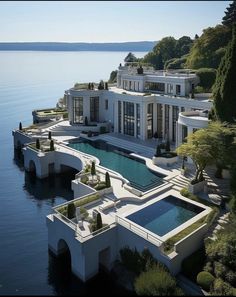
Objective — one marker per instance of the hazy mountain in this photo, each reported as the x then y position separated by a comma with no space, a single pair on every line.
80,46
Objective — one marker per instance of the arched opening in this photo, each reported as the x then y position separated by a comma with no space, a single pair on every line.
32,167
64,257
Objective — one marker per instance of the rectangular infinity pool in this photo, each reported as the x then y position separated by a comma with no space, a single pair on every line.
114,158
165,215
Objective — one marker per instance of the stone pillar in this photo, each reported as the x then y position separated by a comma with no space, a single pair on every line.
163,121
179,134
170,122
116,120
122,117
154,119
143,121
135,120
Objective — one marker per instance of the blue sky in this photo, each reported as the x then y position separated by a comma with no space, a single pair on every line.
106,21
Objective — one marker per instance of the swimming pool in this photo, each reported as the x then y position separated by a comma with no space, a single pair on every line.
165,215
119,160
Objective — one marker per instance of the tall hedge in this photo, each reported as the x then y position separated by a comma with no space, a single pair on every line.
71,210
224,89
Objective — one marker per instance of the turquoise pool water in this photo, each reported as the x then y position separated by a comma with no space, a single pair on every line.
165,215
114,158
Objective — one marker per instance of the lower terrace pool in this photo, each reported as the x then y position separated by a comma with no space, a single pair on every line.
165,215
117,159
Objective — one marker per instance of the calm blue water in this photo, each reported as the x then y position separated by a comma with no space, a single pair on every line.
136,172
31,80
165,215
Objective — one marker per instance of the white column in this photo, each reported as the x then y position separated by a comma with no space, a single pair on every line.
154,118
179,134
135,120
163,121
143,121
170,122
190,130
122,117
116,115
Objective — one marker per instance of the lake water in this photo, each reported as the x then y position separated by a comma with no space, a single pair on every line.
32,80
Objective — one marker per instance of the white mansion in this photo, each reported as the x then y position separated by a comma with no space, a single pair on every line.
144,103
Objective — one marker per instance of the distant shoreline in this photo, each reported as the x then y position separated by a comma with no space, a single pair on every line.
138,46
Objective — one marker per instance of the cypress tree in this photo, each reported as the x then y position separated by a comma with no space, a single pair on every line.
37,144
230,15
108,181
20,126
49,135
51,145
93,170
224,89
99,221
71,211
158,151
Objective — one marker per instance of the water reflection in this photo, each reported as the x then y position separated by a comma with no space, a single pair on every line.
51,187
66,283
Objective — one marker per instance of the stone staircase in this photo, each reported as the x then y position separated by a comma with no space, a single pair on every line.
222,220
179,182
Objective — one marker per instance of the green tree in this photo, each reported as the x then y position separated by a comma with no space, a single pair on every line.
230,15
198,149
113,76
108,181
156,281
209,48
49,135
207,78
130,58
37,144
52,145
20,126
101,85
224,89
158,151
93,169
99,221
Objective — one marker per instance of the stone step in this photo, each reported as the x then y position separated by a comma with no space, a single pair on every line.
177,188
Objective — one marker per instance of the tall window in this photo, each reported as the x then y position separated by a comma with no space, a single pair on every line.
94,109
119,117
150,120
128,118
159,120
178,89
138,119
169,88
78,110
166,134
106,104
174,120
155,86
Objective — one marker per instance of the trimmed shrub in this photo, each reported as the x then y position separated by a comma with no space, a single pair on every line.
108,181
84,213
156,282
106,86
37,144
20,126
52,145
71,211
86,200
155,135
100,186
49,135
205,280
102,130
99,221
219,269
84,179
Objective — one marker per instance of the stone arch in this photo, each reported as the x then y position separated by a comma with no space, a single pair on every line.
32,166
64,256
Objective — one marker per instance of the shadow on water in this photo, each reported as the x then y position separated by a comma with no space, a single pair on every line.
50,187
65,282
18,159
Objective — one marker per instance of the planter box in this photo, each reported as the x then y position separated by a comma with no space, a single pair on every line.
198,187
164,161
105,191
